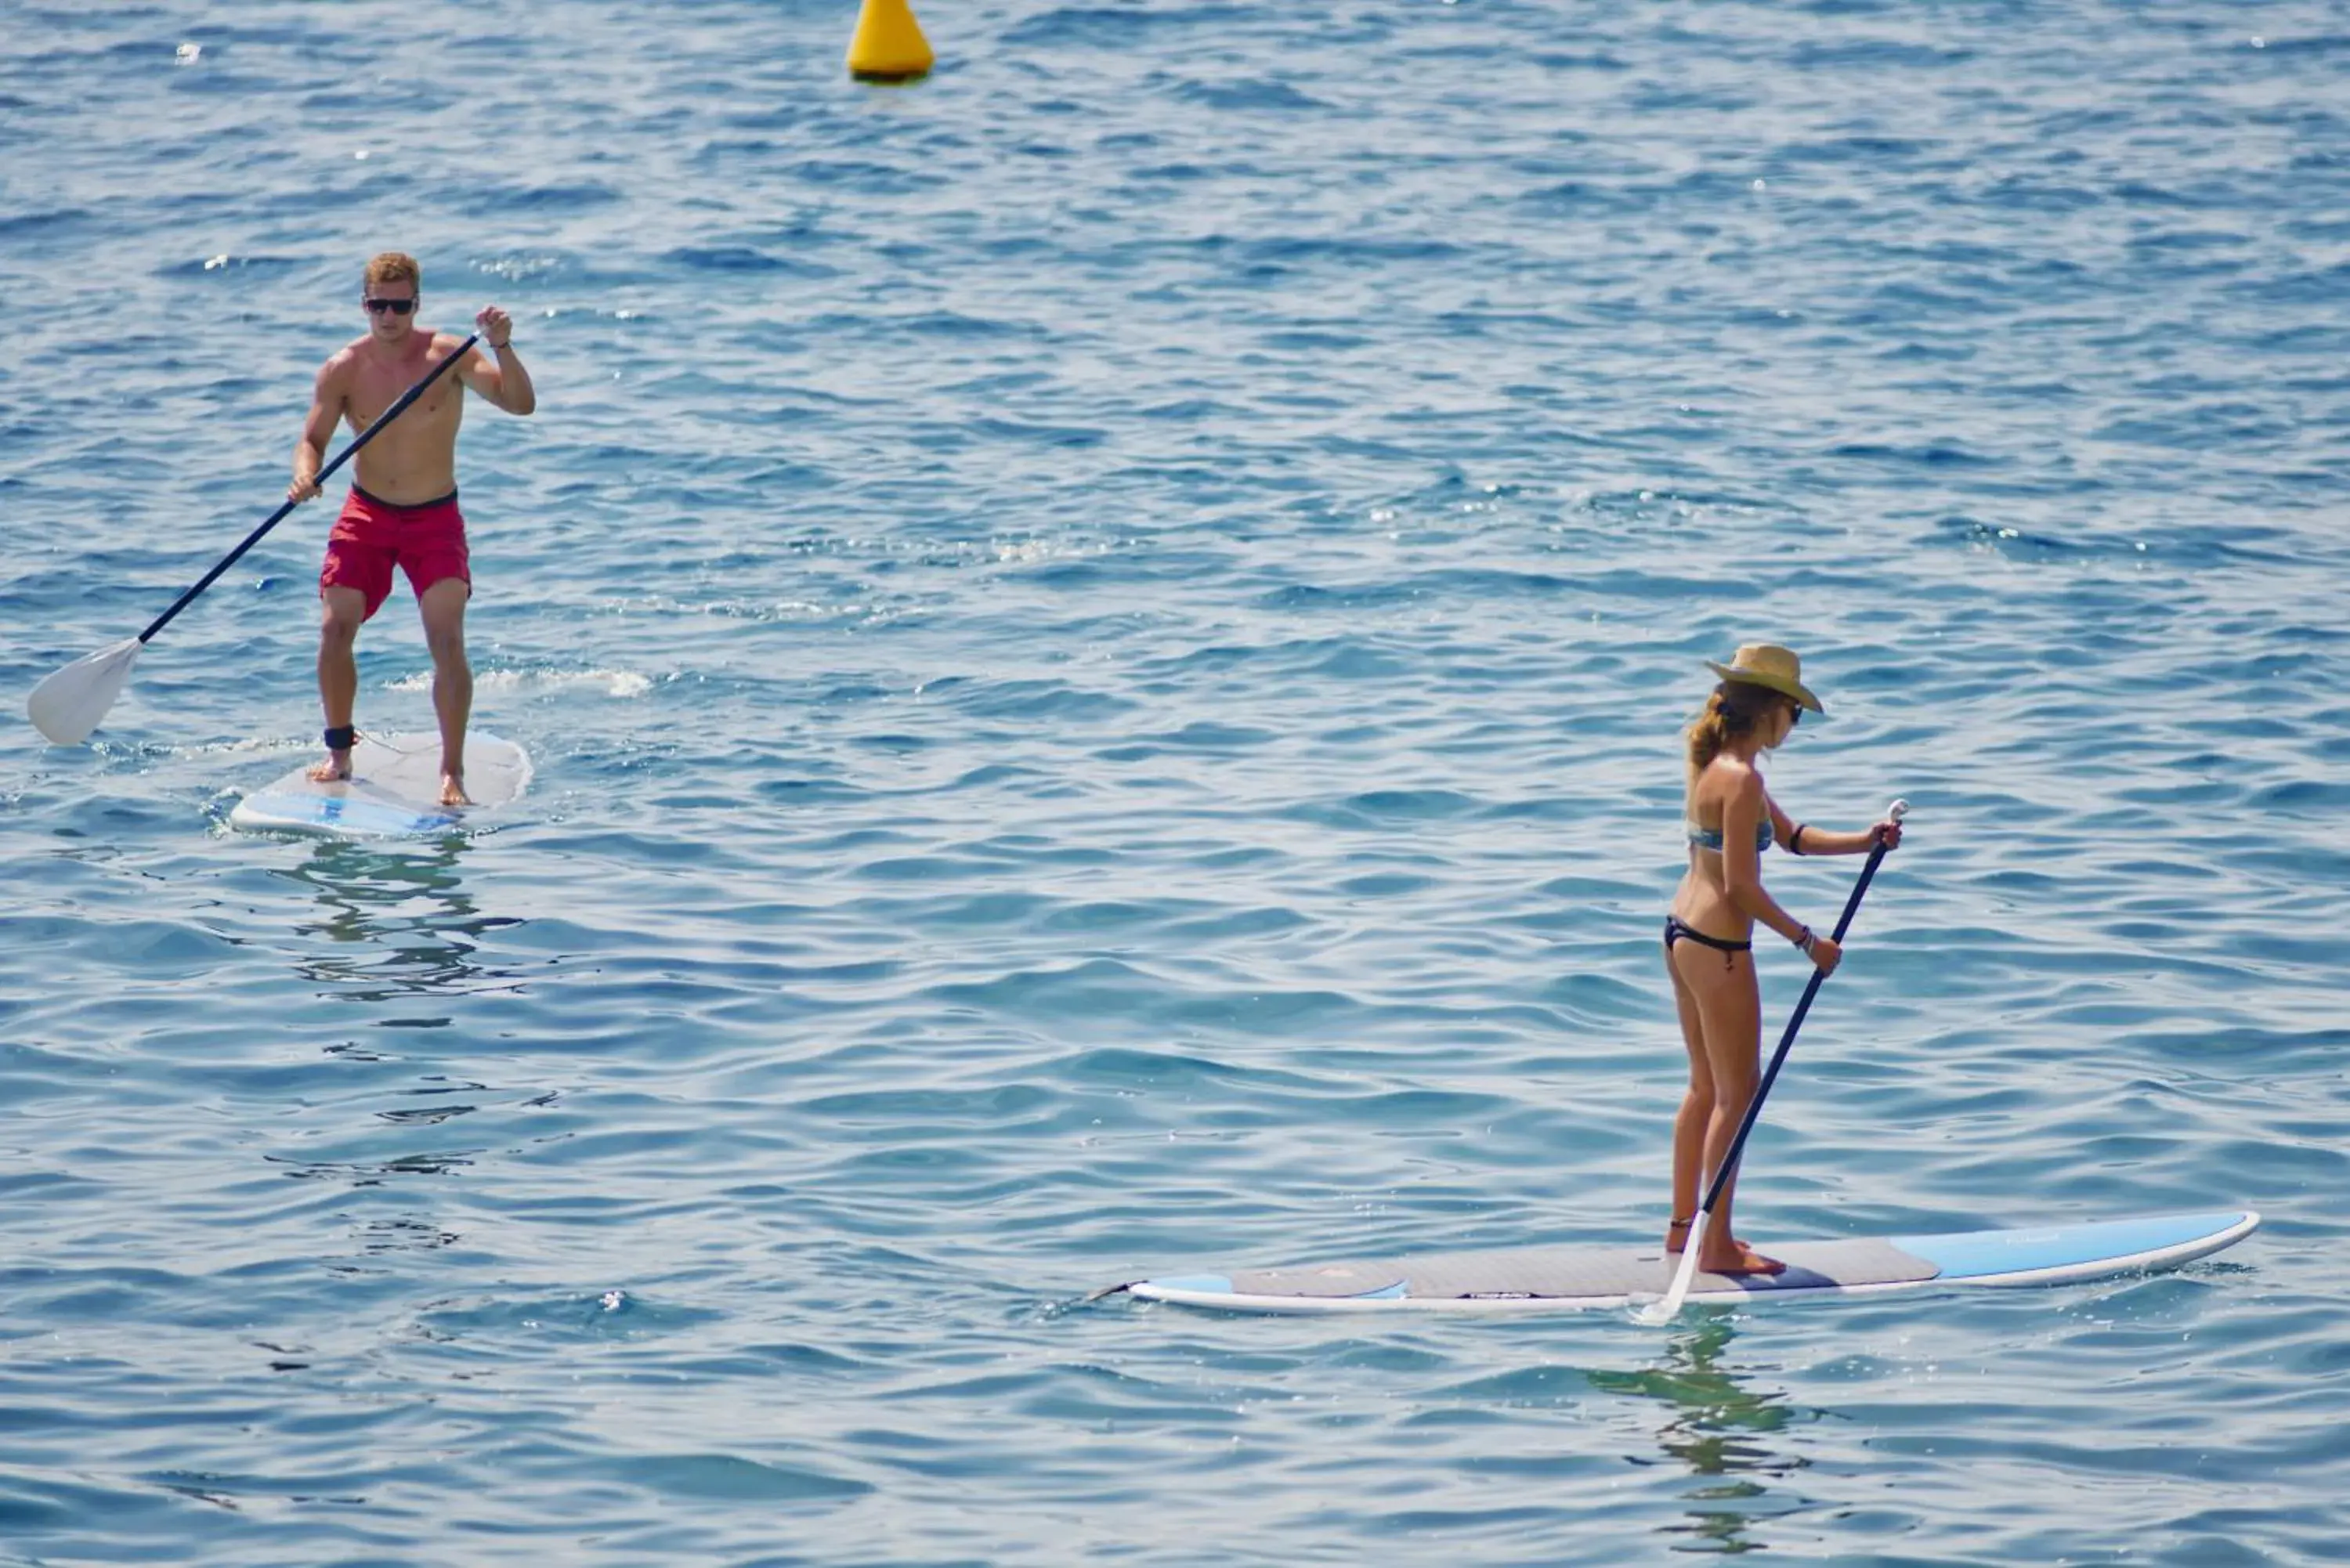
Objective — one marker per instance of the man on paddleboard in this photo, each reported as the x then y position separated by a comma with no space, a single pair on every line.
402,509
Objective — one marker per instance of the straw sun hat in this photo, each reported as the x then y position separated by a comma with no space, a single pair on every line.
1766,664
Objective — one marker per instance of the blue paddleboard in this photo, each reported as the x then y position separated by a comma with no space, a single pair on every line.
1546,1279
393,792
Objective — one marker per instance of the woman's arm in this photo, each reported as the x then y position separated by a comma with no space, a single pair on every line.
1805,840
1742,863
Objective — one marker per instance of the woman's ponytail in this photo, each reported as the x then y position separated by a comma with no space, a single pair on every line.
1707,733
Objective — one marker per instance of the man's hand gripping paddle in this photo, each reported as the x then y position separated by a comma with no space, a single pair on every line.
72,701
1665,1311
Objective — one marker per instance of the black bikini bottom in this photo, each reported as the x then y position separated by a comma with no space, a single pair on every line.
1676,929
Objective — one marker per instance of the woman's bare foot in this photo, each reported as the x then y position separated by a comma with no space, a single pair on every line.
452,789
336,769
1735,1258
1676,1236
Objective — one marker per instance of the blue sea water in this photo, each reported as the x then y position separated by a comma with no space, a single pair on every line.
1104,637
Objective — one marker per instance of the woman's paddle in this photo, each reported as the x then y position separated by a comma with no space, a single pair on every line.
69,704
1668,1309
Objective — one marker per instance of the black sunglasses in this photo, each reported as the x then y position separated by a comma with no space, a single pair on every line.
396,306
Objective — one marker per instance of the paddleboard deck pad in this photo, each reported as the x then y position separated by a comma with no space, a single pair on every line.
1550,1278
393,792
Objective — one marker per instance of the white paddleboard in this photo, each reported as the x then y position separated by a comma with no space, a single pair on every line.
1547,1279
393,791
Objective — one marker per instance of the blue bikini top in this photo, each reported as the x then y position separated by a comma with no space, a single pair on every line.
1710,838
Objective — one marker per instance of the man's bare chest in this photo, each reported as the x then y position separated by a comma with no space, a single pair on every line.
374,389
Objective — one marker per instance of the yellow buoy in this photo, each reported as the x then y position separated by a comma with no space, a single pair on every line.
889,46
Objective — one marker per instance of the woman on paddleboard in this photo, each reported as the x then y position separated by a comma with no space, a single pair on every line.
1710,935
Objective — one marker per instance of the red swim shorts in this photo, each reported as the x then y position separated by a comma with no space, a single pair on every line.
372,536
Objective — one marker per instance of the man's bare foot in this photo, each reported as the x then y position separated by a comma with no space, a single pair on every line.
336,769
452,789
1736,1257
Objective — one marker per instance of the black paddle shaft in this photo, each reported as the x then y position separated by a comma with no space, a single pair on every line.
1787,1041
340,458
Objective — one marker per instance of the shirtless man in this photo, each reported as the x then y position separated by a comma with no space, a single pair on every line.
403,503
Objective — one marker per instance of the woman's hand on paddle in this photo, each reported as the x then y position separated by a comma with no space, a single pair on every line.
1888,833
1826,953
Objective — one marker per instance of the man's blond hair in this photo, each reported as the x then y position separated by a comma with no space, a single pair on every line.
395,266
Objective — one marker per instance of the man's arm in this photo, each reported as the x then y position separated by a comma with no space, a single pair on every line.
327,402
495,371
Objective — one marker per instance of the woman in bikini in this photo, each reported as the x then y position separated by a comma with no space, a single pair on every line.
1709,936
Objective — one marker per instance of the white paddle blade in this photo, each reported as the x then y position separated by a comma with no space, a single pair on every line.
73,701
1665,1311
